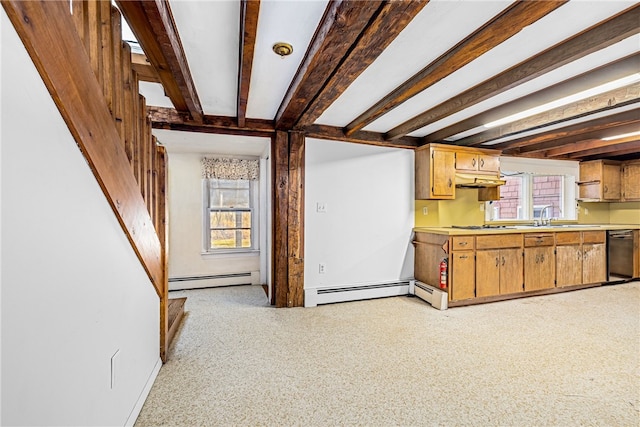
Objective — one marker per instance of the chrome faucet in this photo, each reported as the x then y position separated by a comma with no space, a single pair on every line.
544,219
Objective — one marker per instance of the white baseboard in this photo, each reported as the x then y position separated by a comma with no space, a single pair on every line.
436,297
133,416
354,292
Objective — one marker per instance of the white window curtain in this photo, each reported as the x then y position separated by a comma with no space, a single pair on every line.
224,168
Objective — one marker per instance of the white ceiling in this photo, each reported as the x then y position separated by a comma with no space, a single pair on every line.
205,143
209,31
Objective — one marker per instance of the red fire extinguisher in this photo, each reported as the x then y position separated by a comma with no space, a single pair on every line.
443,273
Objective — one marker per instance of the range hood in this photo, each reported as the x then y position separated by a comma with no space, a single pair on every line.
478,181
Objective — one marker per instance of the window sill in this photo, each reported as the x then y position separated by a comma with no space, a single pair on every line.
231,253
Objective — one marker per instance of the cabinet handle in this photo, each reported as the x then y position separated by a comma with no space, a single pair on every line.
463,257
537,258
541,258
606,189
473,161
463,243
481,163
497,261
502,260
579,255
449,183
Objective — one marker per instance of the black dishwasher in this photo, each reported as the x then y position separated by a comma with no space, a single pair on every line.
620,253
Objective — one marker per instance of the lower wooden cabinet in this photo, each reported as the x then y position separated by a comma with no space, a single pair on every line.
463,280
498,272
594,265
485,266
539,268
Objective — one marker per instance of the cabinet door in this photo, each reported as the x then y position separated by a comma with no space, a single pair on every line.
611,182
463,278
511,271
630,179
594,263
466,161
487,273
488,163
568,265
443,173
539,268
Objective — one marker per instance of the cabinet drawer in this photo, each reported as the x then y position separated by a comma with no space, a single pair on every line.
593,237
570,238
538,240
499,241
461,243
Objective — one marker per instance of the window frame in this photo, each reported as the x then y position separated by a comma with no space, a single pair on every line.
528,207
206,219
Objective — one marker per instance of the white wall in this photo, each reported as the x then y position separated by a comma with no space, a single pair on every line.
73,291
365,235
185,231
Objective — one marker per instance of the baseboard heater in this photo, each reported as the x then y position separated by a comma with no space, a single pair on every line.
434,296
211,280
343,293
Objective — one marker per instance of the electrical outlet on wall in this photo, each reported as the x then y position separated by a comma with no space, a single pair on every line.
321,207
322,268
425,211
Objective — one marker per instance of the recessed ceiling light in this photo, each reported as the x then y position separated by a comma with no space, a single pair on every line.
624,135
615,84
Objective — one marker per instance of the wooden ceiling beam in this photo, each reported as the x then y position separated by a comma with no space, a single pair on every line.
340,27
602,123
595,104
143,67
384,27
622,149
334,133
601,75
154,28
169,118
598,37
249,13
594,133
503,26
578,149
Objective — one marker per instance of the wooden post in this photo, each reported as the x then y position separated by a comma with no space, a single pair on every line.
296,220
288,219
280,162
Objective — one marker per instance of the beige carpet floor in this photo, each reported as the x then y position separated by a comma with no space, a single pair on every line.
568,359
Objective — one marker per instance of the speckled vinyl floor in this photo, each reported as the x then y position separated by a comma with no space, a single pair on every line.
568,359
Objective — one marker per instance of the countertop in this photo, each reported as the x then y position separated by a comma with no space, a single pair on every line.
511,229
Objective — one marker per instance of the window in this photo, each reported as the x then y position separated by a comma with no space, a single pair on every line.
525,195
230,214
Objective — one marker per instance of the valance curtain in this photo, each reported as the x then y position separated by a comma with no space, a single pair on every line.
230,169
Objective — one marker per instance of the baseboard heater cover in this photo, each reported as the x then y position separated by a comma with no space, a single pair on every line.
216,276
213,280
434,296
343,293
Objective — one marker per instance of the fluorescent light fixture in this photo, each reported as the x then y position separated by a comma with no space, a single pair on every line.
624,135
615,84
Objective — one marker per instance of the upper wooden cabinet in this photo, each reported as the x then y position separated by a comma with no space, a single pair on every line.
437,164
600,180
435,172
630,180
477,162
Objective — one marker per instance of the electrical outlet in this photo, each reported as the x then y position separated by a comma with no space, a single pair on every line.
481,207
321,207
425,211
322,268
586,211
